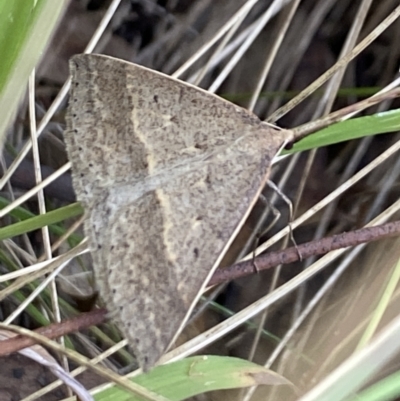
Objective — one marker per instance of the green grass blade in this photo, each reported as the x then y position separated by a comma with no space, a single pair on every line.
196,375
25,29
386,389
355,128
35,222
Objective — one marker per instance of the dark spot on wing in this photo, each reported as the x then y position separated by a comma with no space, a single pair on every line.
174,119
181,92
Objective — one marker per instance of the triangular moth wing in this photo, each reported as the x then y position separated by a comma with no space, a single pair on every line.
167,173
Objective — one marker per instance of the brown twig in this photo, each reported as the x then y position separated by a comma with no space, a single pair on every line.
306,250
264,262
55,330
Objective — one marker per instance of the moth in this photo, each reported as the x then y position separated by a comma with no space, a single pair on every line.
167,174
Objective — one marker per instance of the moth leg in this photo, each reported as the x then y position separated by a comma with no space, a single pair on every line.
258,231
276,272
275,188
258,235
275,211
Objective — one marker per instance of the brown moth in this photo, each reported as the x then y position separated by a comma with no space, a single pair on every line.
167,174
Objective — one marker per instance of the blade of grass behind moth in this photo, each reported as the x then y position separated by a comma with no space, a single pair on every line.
392,17
48,267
